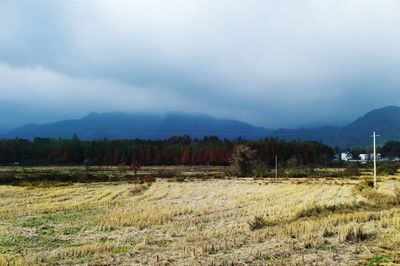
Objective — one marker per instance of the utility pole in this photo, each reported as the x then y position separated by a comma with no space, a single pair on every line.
374,136
276,167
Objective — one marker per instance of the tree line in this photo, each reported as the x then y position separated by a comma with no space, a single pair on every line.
391,149
182,150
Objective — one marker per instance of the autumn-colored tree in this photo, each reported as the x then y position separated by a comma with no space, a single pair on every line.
115,157
186,157
143,155
67,155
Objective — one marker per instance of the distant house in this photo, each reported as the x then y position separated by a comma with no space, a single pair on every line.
378,156
363,157
346,156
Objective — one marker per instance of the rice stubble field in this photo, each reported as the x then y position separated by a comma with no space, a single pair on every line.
206,222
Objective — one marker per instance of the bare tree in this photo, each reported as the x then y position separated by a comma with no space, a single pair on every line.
135,167
243,159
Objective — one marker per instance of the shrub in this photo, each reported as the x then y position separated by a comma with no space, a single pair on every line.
230,171
387,169
260,170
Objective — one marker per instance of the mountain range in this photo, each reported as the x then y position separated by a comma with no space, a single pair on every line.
386,121
141,126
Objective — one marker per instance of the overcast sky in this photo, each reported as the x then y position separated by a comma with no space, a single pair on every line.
273,63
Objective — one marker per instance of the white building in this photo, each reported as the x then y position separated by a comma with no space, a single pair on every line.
378,156
346,156
363,157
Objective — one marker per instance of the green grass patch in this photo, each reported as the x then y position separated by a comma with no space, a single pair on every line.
34,222
53,218
161,242
73,230
120,250
377,260
13,244
43,238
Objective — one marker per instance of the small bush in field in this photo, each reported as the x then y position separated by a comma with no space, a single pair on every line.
231,171
261,170
387,170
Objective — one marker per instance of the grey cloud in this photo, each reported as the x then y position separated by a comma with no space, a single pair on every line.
273,63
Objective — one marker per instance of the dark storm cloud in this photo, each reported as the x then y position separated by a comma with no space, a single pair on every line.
273,63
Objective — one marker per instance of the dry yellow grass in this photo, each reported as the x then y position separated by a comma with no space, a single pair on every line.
198,222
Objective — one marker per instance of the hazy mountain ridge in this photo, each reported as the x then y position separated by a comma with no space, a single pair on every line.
141,126
386,121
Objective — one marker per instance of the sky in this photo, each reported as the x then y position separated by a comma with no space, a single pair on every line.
272,63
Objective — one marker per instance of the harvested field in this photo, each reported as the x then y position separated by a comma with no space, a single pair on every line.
210,222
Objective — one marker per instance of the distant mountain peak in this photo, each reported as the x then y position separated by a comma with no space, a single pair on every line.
118,125
92,114
385,120
387,110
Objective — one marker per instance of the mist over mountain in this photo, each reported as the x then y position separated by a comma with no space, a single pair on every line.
386,121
